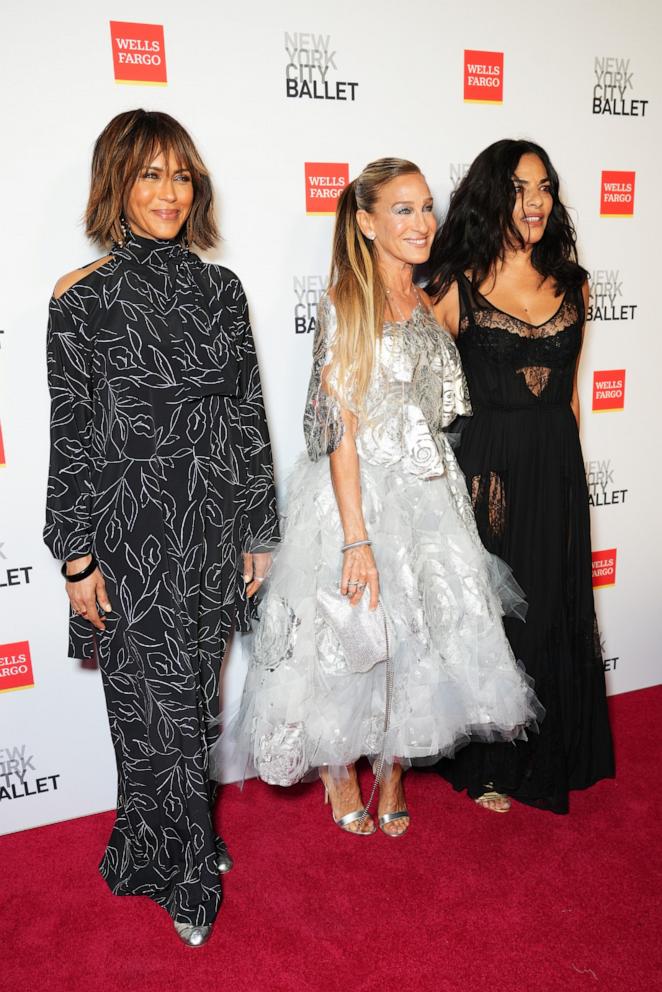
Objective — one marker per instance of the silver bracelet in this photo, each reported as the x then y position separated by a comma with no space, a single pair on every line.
355,544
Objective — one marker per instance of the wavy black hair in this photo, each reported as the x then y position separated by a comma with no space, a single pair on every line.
479,226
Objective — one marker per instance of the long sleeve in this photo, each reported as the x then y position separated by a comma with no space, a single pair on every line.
323,426
259,526
68,531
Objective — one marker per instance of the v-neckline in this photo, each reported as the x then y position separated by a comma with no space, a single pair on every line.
512,316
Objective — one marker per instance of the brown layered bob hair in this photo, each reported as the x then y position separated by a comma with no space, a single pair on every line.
126,146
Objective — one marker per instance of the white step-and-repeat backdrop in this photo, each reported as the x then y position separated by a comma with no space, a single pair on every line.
285,100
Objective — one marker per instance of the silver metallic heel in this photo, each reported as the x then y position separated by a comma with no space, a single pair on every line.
191,935
344,822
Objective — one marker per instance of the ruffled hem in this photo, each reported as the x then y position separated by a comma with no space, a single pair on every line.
455,678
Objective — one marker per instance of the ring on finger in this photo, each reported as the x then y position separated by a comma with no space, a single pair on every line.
259,578
352,583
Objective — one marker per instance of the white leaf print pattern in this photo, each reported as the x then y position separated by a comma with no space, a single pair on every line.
160,464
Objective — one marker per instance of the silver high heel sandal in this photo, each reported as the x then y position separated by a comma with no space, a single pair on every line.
398,814
345,822
390,817
494,797
191,935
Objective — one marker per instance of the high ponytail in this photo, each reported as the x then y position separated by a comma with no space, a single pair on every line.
359,293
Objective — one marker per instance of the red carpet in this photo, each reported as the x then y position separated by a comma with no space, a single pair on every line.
467,901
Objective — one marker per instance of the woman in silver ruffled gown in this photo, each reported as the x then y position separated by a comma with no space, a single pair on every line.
380,475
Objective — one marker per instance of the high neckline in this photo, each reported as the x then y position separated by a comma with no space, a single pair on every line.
152,251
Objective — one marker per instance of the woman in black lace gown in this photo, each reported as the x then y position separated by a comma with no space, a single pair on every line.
505,276
160,478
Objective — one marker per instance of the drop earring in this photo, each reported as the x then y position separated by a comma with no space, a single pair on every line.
126,230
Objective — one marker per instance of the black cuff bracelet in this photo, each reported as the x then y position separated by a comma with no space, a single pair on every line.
79,576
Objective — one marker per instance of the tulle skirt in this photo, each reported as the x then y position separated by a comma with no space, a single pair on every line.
455,677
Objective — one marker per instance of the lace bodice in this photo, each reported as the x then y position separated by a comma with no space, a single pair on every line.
417,389
511,364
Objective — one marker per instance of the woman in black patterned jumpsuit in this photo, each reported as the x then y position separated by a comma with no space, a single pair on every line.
160,497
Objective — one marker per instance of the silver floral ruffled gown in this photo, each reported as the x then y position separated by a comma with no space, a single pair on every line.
455,677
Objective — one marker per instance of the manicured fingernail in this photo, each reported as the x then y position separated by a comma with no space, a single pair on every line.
247,578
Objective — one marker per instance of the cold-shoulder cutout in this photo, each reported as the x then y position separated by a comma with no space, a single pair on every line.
66,283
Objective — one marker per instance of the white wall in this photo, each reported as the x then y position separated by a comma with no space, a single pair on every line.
226,82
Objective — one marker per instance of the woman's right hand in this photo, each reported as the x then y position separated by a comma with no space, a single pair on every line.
85,595
359,572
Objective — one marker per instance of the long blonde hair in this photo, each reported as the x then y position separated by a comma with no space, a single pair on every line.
359,293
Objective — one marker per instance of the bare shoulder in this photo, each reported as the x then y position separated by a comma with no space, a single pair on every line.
447,310
424,297
67,282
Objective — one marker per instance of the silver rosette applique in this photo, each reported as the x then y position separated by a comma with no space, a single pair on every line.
277,633
281,755
421,454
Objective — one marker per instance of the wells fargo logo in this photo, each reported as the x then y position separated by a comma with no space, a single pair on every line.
483,77
604,568
325,181
609,390
138,53
15,666
617,194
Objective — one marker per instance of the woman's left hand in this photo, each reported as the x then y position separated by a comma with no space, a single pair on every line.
256,568
358,572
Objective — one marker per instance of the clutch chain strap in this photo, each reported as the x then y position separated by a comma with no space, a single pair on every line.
379,767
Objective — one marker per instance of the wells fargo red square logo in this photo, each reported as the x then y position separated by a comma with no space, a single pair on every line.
138,53
483,76
604,568
15,666
325,181
617,194
609,390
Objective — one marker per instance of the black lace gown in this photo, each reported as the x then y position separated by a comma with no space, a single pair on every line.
161,465
522,459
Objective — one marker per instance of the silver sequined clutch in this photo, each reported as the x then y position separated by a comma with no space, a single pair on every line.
362,632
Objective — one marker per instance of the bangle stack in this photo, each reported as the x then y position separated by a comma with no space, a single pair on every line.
355,544
79,576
